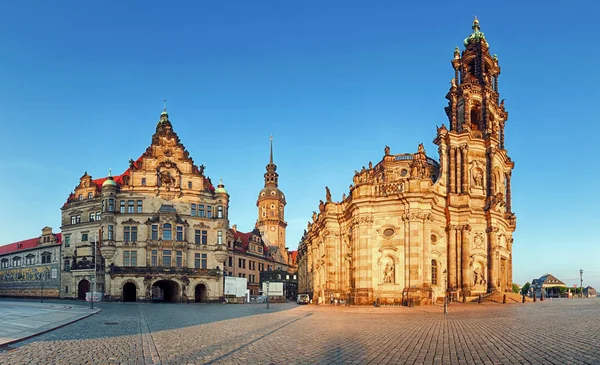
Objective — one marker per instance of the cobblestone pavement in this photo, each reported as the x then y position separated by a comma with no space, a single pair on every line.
565,331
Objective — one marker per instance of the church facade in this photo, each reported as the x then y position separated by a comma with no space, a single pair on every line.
416,229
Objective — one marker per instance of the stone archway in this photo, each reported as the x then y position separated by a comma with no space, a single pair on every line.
129,292
165,291
200,293
82,288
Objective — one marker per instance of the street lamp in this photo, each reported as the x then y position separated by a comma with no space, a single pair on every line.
581,281
95,265
268,294
445,292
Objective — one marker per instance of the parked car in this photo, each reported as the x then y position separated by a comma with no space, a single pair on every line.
303,299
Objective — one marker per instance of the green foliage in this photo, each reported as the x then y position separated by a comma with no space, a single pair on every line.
515,288
525,288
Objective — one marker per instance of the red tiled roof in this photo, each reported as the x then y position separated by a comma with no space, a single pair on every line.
244,237
294,255
24,245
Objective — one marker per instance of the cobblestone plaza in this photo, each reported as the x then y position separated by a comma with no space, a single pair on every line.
565,331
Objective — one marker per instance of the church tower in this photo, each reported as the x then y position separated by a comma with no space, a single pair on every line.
476,171
271,207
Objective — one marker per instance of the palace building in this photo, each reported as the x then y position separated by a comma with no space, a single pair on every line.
157,232
413,229
159,229
31,268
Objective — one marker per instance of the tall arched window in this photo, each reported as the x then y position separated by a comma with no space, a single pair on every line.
434,272
167,234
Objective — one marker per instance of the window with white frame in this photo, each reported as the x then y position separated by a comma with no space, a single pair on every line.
30,259
46,257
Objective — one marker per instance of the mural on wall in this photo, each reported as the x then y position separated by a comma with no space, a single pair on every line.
29,274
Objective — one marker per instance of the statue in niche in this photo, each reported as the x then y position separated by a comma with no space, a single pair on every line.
478,277
327,194
478,177
388,274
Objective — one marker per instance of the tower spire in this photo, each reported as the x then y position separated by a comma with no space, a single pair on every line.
271,155
271,175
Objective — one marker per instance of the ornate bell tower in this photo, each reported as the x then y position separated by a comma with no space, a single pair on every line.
475,173
271,208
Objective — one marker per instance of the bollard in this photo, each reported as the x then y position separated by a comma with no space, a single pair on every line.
534,297
464,300
479,300
504,299
541,297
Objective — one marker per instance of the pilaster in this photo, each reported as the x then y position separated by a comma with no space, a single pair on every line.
466,253
492,233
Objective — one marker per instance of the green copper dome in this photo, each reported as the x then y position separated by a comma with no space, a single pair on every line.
109,180
220,188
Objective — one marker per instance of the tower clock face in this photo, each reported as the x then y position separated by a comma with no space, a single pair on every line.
272,228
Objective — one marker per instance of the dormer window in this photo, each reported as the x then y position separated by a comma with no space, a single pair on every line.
90,195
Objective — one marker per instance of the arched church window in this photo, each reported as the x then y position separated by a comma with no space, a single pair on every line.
434,272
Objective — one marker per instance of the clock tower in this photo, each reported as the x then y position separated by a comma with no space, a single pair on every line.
271,208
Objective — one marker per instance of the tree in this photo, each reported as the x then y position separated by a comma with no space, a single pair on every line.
525,288
515,288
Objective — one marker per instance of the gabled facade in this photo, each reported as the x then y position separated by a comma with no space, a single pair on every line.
160,228
249,256
31,268
414,228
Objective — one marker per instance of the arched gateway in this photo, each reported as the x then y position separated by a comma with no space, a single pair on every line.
129,292
165,291
82,288
200,295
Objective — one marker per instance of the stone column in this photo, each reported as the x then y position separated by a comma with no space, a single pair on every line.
426,280
452,171
490,173
466,253
492,264
459,174
508,194
451,257
406,219
465,165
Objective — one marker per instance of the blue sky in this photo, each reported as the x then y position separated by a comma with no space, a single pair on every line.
82,85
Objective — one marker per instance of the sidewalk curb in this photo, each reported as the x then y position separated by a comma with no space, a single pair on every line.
46,331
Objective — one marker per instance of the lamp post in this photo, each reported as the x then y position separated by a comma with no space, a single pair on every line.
581,281
268,294
445,292
95,265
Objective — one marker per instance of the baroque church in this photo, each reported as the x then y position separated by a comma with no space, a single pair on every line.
415,229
